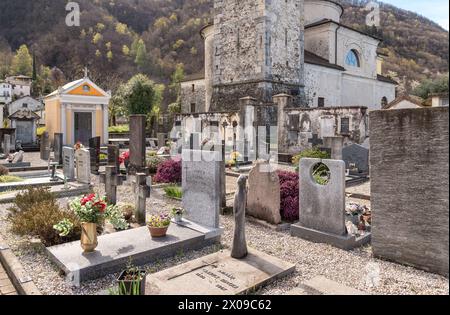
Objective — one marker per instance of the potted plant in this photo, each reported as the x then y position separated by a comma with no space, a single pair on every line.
92,211
177,214
158,225
132,281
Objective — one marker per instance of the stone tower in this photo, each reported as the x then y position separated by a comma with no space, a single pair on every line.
256,49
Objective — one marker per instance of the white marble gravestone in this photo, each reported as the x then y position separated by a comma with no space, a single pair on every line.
83,159
202,186
69,163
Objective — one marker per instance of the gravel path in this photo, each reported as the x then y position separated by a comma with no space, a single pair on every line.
350,268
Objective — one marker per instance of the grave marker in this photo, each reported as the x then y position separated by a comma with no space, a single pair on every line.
58,147
69,163
137,144
358,156
141,188
113,156
7,144
94,149
83,157
45,146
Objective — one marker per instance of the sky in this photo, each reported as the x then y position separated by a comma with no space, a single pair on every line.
436,10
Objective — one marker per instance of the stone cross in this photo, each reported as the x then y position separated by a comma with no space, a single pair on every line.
336,145
113,156
111,179
141,187
315,140
239,249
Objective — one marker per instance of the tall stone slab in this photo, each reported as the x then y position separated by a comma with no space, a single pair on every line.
58,147
45,146
94,148
264,193
137,143
69,163
322,207
113,156
409,156
202,186
6,144
83,160
357,155
335,145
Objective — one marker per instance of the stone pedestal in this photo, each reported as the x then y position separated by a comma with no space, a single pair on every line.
137,144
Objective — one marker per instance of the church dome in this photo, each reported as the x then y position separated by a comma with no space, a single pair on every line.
318,10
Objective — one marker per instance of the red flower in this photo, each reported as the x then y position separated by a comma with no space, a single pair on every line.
87,199
101,205
125,156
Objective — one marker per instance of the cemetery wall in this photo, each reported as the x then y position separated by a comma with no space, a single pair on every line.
409,186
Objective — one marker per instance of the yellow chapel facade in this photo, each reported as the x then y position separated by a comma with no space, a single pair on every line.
78,110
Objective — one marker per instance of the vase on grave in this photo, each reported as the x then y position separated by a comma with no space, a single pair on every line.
89,237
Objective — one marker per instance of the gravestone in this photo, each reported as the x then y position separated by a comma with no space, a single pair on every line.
202,186
264,193
69,163
141,187
45,146
83,161
322,207
357,155
335,144
58,148
111,179
94,149
137,144
162,138
113,156
6,144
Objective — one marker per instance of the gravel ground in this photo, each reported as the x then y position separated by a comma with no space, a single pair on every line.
351,268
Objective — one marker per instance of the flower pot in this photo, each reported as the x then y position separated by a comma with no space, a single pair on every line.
158,232
89,237
131,287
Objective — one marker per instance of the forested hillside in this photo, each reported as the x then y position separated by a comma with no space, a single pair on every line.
118,38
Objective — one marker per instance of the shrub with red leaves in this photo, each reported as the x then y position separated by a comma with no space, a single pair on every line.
289,189
169,172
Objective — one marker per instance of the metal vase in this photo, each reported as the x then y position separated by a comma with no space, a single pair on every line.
89,237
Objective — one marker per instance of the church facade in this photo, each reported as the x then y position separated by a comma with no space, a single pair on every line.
277,63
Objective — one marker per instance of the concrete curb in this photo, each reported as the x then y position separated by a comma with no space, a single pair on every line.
22,282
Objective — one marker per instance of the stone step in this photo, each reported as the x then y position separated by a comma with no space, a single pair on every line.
323,286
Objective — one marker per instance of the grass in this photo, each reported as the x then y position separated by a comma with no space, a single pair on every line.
174,192
119,129
10,179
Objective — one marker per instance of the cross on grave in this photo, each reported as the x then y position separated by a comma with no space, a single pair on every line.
315,140
111,179
141,187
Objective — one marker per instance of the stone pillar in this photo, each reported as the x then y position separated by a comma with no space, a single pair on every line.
113,156
58,147
336,145
137,144
94,149
161,139
111,179
282,101
208,37
142,188
6,144
239,249
45,146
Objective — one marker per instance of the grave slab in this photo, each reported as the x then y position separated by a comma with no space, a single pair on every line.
219,274
114,251
323,286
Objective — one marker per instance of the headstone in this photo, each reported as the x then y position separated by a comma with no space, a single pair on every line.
113,156
45,146
83,158
202,186
239,249
162,138
335,144
322,207
111,180
142,188
58,147
94,149
137,144
69,163
7,144
358,156
264,193
18,157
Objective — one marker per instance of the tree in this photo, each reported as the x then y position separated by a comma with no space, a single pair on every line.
428,87
139,95
141,55
22,62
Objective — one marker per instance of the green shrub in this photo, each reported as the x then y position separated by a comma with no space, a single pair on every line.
314,153
36,212
174,192
119,129
103,156
4,170
153,162
10,179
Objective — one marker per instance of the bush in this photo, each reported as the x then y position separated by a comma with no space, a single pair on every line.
10,179
153,162
174,192
40,131
169,172
289,195
36,212
314,153
119,129
4,170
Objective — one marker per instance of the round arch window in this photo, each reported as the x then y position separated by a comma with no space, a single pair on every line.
86,88
352,59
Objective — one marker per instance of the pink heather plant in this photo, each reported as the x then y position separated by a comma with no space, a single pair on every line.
169,172
289,190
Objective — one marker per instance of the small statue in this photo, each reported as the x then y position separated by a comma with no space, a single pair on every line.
239,250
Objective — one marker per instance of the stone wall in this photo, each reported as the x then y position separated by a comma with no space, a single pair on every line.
409,187
193,92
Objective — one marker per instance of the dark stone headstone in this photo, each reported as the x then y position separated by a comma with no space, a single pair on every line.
357,155
137,144
113,156
94,149
58,147
45,146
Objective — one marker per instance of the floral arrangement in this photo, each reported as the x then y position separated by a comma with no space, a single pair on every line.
78,146
64,228
159,221
94,209
124,157
169,172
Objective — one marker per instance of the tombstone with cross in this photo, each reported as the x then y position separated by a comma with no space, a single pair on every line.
315,140
141,187
111,178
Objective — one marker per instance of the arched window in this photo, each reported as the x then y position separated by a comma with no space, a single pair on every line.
352,59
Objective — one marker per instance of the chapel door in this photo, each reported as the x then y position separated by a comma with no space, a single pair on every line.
83,127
